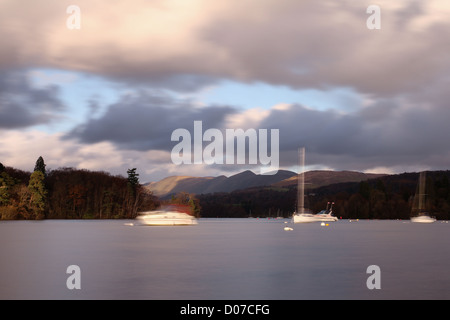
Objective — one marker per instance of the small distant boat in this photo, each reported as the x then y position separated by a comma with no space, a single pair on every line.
174,215
303,215
419,213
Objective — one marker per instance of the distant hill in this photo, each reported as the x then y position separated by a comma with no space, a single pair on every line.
248,179
175,184
319,178
204,185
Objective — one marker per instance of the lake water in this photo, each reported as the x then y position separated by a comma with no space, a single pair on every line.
224,259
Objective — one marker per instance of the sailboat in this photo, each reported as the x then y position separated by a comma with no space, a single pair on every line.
303,215
419,213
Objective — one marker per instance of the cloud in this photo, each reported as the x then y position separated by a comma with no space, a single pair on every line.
145,121
390,133
21,149
331,46
135,42
22,105
188,45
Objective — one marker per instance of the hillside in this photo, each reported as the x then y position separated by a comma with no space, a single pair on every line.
204,185
248,179
319,178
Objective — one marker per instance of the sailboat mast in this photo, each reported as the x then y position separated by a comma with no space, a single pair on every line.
421,191
301,182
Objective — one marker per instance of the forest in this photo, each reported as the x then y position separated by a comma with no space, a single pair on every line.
68,193
388,197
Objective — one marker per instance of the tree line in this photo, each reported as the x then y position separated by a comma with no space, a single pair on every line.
68,193
389,197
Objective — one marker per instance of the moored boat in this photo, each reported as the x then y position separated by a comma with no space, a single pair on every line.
419,213
167,216
303,215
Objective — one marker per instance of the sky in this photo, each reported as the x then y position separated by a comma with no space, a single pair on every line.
108,96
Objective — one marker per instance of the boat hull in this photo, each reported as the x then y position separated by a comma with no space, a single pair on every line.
423,219
164,218
327,218
307,218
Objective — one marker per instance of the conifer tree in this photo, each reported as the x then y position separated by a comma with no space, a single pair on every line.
40,165
38,191
133,185
133,181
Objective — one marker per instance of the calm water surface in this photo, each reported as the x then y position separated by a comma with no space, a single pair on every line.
224,259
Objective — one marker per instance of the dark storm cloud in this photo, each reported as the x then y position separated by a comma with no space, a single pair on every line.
387,133
22,105
145,122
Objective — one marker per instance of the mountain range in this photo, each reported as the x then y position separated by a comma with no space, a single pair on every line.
248,179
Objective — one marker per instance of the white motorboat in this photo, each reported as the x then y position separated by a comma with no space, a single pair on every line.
170,216
303,215
419,214
310,217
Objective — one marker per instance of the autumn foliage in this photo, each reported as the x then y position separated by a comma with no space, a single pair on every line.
68,193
